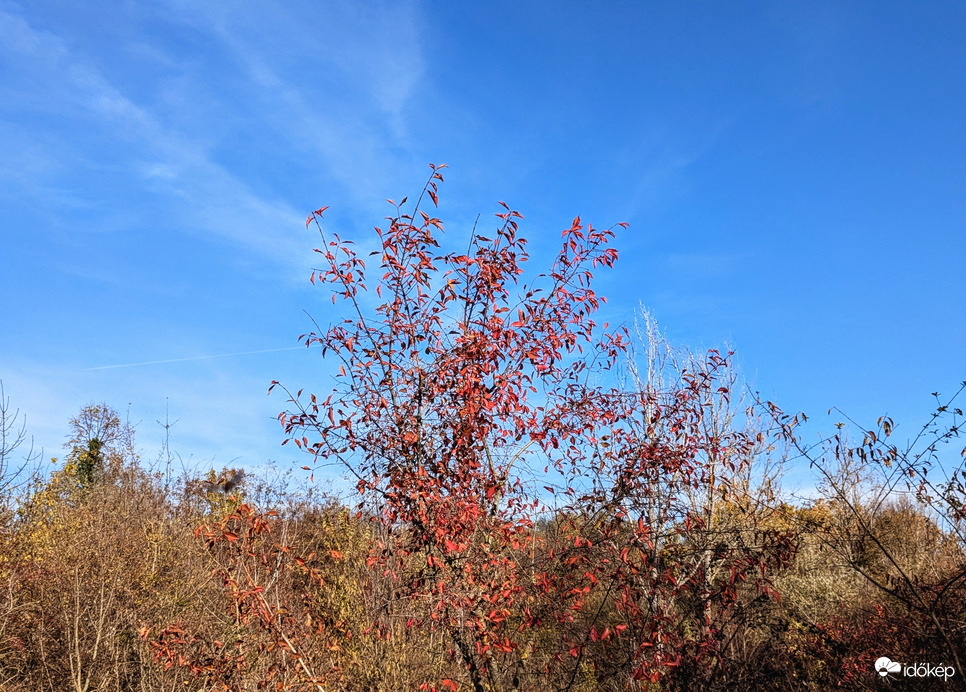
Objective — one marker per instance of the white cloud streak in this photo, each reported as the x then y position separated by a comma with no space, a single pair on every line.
58,81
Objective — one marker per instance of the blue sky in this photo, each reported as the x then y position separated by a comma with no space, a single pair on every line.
793,175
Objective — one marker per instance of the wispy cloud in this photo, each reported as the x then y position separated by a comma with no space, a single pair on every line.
185,360
342,96
61,82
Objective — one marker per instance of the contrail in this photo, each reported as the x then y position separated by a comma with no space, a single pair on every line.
181,360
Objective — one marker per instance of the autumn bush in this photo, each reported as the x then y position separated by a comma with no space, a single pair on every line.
882,571
467,379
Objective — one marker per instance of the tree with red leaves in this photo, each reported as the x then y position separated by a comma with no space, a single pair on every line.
463,380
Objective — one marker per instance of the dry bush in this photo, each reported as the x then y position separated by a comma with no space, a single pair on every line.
88,561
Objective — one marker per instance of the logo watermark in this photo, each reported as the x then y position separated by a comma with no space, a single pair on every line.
885,666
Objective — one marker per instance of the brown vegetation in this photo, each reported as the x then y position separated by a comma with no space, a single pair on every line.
112,585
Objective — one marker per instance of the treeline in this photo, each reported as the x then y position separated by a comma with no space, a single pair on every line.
115,580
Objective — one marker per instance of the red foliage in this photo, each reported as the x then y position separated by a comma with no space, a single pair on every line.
266,638
452,387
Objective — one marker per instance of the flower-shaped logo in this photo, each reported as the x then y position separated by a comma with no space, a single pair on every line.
884,666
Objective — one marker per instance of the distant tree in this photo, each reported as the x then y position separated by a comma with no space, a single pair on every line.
98,444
